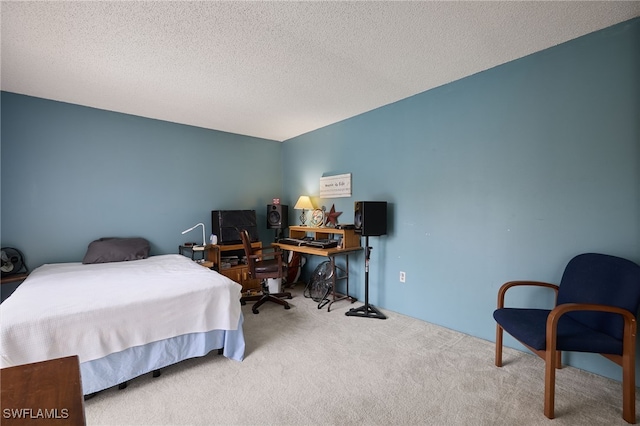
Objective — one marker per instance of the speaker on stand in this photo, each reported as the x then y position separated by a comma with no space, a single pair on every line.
370,219
277,218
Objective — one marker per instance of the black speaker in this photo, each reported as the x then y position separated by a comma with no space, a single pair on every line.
277,216
370,218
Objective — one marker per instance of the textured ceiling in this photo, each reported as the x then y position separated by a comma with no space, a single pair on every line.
271,69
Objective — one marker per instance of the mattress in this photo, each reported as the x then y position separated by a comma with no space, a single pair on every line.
97,310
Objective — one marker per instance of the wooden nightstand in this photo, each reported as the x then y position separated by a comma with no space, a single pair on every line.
207,264
10,283
13,278
190,251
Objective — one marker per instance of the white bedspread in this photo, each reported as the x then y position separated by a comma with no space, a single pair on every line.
94,310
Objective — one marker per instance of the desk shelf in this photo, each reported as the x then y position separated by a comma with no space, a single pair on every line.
350,245
349,237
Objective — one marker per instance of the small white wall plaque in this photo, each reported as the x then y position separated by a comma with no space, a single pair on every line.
335,186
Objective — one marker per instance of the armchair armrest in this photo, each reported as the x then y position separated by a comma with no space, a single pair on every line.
626,360
265,254
506,286
630,326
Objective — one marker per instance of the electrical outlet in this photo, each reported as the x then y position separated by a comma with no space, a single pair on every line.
403,277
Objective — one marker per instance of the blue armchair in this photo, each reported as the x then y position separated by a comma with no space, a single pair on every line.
597,303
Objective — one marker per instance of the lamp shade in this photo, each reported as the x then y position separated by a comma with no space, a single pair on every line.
304,203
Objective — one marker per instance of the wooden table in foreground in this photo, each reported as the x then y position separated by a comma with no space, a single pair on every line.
45,393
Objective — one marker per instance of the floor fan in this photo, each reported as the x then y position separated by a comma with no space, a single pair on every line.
320,284
12,261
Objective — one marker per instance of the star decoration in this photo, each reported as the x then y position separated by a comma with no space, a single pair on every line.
332,216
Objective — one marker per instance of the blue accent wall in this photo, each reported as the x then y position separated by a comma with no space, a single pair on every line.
502,175
72,174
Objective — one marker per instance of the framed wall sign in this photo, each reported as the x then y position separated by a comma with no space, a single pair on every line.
335,186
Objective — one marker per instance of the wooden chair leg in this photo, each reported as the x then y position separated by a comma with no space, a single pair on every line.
551,358
499,333
628,389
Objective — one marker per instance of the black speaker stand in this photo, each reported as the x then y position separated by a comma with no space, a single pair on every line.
367,310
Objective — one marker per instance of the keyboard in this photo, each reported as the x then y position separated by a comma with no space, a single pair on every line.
322,243
292,241
309,243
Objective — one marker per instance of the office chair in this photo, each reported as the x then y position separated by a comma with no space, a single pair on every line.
596,306
263,264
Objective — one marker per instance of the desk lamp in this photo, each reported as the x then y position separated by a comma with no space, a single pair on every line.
304,203
204,241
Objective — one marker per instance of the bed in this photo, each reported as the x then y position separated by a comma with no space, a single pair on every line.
123,319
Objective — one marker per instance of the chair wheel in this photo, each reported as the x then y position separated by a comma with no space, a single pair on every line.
290,297
287,307
255,311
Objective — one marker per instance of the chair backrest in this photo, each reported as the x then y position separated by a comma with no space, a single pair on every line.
248,251
605,280
246,242
260,269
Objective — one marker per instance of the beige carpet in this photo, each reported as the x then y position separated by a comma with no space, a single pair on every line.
306,366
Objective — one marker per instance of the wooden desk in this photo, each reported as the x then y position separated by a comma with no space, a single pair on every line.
238,273
47,392
350,244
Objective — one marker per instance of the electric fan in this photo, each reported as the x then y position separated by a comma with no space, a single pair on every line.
320,284
12,261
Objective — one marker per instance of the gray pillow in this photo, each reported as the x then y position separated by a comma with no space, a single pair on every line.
107,250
